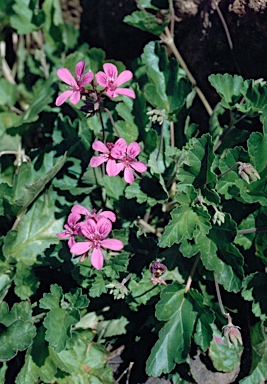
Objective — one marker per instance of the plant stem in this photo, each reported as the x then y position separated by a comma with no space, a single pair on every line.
102,125
225,314
229,170
190,278
225,133
112,121
167,39
161,141
251,230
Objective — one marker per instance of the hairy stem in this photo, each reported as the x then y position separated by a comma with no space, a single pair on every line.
112,121
190,278
167,39
225,314
229,170
251,230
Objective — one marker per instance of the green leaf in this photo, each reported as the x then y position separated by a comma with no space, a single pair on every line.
114,186
142,291
77,299
3,370
41,97
196,168
224,358
178,311
166,89
255,95
52,300
27,17
25,281
35,232
228,87
254,288
246,240
84,360
29,183
5,283
258,371
219,255
187,220
98,287
127,127
145,21
8,93
19,331
114,327
203,332
58,323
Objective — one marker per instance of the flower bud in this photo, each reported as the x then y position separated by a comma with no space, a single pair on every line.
219,218
157,269
248,173
232,334
157,115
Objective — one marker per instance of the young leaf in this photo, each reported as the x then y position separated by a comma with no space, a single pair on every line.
58,323
228,87
145,21
35,232
19,331
174,340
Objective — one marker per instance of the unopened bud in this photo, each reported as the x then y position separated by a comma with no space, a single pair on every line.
157,115
248,173
157,269
232,335
218,218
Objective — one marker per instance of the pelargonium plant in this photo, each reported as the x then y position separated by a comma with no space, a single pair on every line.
133,229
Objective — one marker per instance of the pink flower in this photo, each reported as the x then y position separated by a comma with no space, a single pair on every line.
93,214
126,155
112,168
73,228
96,234
76,84
111,81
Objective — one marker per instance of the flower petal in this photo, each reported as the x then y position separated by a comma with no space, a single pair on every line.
87,79
89,228
133,150
65,75
75,97
97,259
71,242
119,149
80,68
100,147
103,226
80,210
123,77
73,218
139,166
112,168
101,79
125,92
108,215
113,244
111,71
128,175
63,97
97,160
81,247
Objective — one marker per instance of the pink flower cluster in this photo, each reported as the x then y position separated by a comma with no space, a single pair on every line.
94,230
119,157
109,79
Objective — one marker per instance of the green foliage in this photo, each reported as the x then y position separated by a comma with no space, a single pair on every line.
200,209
